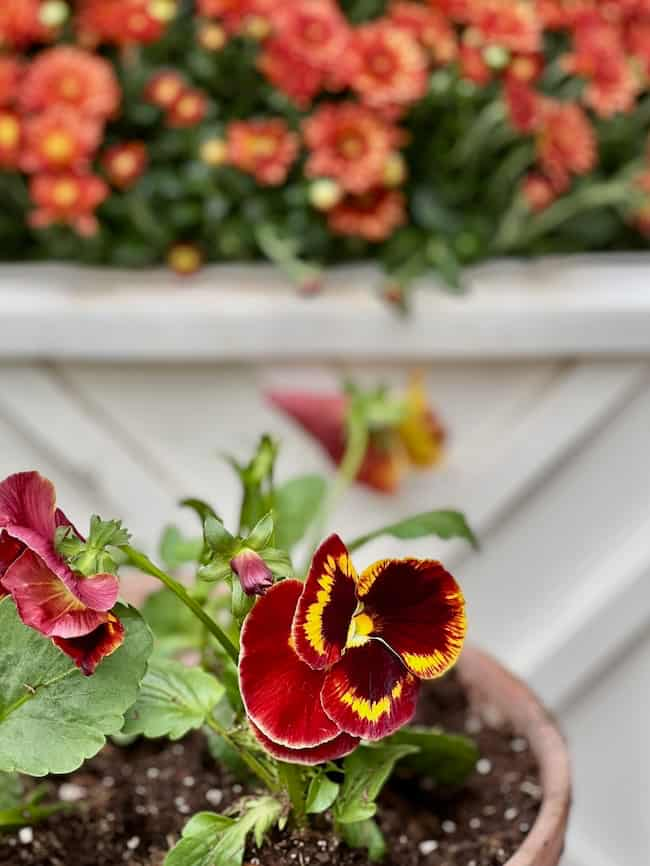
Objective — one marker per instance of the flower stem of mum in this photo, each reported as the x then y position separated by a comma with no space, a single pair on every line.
355,451
250,760
148,567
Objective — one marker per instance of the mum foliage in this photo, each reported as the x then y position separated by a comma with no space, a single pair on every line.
303,683
424,133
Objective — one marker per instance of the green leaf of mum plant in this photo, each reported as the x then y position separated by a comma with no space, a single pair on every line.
444,524
296,505
365,834
366,771
213,840
447,758
173,700
52,718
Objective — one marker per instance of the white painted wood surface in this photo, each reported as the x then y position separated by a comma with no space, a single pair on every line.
549,457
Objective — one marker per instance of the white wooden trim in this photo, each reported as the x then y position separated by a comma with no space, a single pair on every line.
553,307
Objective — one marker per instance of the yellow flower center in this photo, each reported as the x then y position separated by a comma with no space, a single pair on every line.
124,164
65,193
351,145
58,146
69,87
9,132
262,146
361,627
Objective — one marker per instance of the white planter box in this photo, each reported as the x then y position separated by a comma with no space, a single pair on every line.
570,306
542,374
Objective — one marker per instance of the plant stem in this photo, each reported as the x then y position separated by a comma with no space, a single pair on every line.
148,567
291,775
250,760
355,452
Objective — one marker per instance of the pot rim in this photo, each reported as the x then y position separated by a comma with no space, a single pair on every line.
494,688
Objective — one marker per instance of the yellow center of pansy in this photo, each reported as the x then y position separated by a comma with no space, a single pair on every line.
361,626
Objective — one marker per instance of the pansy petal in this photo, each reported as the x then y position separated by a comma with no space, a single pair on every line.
99,592
10,550
369,693
89,650
321,415
324,612
28,500
280,692
45,603
339,747
417,607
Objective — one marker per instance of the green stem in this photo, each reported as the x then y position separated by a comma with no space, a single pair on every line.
250,760
291,775
353,457
148,567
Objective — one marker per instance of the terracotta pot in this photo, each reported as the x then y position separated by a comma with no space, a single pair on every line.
498,696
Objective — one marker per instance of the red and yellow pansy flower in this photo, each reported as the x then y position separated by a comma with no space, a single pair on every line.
340,658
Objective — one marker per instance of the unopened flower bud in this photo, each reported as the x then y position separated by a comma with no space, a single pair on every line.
53,13
395,170
324,194
163,10
254,574
214,151
211,36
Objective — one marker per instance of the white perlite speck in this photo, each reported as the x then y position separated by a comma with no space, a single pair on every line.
519,744
448,826
70,793
475,823
189,781
153,773
133,843
26,835
428,846
483,766
531,789
510,814
214,796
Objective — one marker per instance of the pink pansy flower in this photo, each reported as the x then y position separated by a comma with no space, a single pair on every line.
72,610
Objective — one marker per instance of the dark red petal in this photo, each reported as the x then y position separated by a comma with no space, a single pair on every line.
385,464
418,609
339,747
27,499
45,603
369,693
325,609
10,550
321,415
280,692
88,651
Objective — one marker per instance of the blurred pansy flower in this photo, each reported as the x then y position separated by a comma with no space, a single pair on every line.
341,657
71,609
405,433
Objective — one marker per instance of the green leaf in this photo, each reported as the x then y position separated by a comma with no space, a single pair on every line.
52,717
201,508
177,549
217,536
175,628
447,758
278,561
261,534
11,791
321,794
444,524
366,771
296,505
173,700
213,840
365,834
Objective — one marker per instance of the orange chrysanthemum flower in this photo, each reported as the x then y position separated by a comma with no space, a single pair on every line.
566,142
350,143
373,216
391,66
71,76
237,15
20,23
59,139
124,163
429,26
11,70
70,198
524,105
120,22
473,65
164,88
637,43
10,138
538,192
511,24
264,148
189,109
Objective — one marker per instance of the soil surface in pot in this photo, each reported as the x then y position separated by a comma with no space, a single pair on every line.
137,799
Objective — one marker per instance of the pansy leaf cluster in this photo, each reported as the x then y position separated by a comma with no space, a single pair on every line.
423,134
303,682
